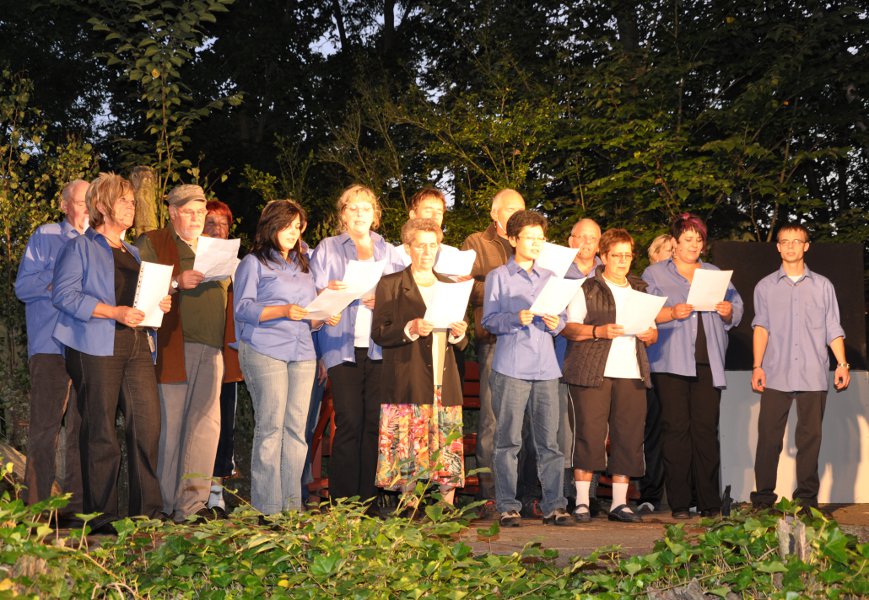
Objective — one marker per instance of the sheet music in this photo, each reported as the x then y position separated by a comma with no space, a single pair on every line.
449,304
216,258
640,310
708,288
556,258
555,296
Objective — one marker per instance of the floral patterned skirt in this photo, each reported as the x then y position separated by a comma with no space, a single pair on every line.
420,441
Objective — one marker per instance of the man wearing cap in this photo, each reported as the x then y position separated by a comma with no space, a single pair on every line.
189,359
52,398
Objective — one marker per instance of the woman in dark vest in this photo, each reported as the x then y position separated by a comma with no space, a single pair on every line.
608,373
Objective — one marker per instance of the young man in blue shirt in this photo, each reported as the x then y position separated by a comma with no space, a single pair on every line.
796,318
525,372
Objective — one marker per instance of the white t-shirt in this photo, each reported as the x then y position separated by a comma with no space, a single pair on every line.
621,362
364,318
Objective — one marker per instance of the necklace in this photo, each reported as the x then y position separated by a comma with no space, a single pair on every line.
119,246
625,284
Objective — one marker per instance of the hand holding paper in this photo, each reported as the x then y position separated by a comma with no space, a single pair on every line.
150,292
216,258
708,288
449,303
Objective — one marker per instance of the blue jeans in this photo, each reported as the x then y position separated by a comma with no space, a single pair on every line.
511,399
281,393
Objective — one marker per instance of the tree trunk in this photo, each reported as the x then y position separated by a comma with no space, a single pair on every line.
145,188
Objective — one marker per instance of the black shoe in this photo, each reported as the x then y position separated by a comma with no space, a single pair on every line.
582,516
710,513
682,515
806,513
510,518
103,525
205,514
624,514
559,517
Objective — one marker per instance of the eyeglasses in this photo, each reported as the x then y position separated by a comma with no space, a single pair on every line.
186,212
533,240
359,208
792,242
623,256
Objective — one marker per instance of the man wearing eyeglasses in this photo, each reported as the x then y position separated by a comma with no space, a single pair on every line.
796,318
189,359
52,398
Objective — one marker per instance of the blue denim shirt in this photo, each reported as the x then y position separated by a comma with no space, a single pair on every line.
573,272
34,280
256,286
674,352
83,277
522,351
802,318
328,263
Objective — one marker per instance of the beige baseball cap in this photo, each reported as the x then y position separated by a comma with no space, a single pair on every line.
183,194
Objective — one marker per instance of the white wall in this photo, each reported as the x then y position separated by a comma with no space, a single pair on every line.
844,459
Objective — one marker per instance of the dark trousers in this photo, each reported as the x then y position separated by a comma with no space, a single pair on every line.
652,483
356,398
690,408
223,460
774,409
310,428
125,380
617,406
52,405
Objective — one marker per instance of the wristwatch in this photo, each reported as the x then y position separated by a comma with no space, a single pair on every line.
843,366
174,284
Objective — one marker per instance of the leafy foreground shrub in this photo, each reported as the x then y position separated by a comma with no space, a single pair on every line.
341,553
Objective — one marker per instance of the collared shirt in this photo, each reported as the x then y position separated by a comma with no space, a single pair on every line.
34,280
279,282
674,351
523,351
802,318
573,272
83,277
328,263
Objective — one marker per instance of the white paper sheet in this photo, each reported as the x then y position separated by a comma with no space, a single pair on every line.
449,303
361,277
555,296
152,286
708,289
556,258
216,258
640,310
452,261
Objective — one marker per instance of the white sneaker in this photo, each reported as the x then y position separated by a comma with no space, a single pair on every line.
215,498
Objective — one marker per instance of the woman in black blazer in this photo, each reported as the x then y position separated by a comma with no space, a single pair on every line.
421,414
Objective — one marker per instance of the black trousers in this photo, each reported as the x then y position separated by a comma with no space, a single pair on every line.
52,405
652,483
103,384
774,409
356,395
690,407
223,460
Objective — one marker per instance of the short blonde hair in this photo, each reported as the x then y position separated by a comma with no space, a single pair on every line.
656,244
101,196
359,192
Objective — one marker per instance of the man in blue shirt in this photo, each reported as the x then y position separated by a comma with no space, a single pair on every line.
796,318
525,372
51,396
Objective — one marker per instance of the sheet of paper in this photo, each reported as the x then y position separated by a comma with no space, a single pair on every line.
556,258
330,302
449,303
216,258
360,277
640,310
555,296
708,289
452,261
152,286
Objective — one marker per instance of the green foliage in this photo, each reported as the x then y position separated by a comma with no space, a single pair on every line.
33,170
341,552
153,40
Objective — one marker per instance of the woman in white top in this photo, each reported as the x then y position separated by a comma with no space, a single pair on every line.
608,373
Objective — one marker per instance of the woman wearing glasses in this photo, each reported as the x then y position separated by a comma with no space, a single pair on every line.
353,360
688,372
608,373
